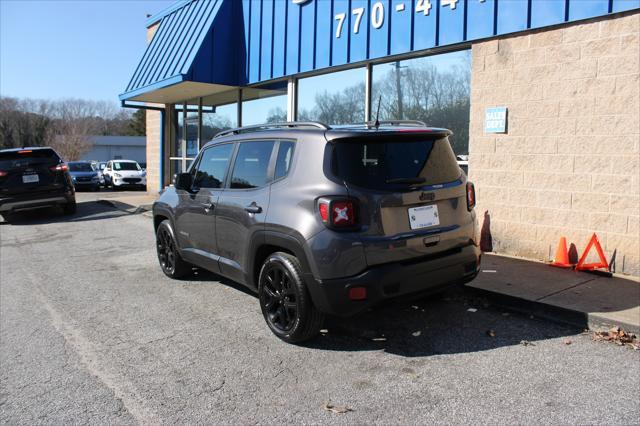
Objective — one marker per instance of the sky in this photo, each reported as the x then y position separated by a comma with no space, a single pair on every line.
71,49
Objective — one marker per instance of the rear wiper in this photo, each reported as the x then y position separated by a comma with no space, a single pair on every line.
409,181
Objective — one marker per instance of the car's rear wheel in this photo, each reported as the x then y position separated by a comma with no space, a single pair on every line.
285,302
70,208
170,260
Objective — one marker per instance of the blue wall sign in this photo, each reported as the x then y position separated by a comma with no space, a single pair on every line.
495,120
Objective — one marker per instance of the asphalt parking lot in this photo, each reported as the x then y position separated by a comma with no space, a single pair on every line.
91,331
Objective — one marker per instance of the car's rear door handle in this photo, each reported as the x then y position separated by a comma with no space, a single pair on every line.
253,208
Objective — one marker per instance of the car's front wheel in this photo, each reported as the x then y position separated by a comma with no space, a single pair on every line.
170,260
284,299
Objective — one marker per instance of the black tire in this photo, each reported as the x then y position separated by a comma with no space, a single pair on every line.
97,188
169,258
285,301
70,208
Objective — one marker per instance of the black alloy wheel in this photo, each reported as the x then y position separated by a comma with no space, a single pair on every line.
285,301
280,298
170,260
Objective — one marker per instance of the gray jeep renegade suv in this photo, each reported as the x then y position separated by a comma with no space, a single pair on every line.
322,220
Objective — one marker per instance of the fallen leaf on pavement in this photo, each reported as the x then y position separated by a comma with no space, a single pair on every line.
416,333
328,406
567,342
526,343
618,336
491,333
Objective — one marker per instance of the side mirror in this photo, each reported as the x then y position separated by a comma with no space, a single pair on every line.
183,181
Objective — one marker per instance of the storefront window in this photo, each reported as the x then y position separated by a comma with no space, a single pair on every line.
264,106
337,98
218,118
432,89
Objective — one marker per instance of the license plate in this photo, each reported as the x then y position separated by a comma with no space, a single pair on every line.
424,216
30,178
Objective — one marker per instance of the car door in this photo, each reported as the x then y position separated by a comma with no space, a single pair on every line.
243,206
195,213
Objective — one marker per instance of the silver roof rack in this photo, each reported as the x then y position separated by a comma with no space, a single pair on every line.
272,126
415,123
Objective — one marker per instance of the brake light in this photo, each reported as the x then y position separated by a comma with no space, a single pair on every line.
337,213
3,173
471,196
59,168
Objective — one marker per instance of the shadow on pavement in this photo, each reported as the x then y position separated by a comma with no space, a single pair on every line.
86,211
435,325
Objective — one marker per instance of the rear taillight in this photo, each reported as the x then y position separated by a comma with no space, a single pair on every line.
471,196
59,168
337,213
3,173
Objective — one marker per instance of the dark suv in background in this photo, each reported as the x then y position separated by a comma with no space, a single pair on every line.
34,177
322,220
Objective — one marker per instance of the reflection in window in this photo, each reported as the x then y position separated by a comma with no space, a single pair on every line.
212,166
252,162
264,106
216,119
432,89
337,98
283,162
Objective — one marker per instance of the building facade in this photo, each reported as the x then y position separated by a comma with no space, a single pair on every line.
542,94
105,148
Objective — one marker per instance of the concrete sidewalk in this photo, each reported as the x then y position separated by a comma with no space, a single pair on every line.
579,298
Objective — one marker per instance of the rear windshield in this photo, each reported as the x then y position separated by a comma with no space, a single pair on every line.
80,167
27,158
126,166
388,164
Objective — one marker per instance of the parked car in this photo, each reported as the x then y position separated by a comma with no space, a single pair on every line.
321,220
34,177
96,167
84,175
124,173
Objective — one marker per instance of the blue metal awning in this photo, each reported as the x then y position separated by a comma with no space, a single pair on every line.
181,49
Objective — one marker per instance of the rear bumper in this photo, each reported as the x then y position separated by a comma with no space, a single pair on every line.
388,281
28,201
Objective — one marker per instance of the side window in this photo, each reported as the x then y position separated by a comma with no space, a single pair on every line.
283,162
213,164
252,162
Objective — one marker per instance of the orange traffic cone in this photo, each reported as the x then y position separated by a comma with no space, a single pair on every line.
602,264
561,259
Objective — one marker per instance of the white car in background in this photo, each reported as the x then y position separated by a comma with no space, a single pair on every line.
124,174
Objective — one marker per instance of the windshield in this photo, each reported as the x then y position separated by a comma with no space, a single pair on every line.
125,166
395,163
27,158
80,167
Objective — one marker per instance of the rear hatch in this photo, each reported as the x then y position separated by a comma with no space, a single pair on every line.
411,194
30,171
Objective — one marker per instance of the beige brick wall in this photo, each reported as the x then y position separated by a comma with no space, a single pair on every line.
569,162
153,151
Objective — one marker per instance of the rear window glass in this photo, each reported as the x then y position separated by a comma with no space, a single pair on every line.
387,164
80,167
125,166
27,158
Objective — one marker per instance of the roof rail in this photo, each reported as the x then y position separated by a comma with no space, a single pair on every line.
270,126
416,123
